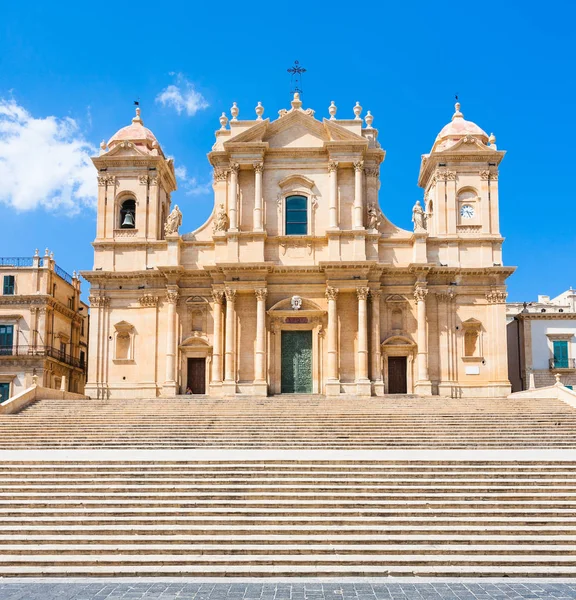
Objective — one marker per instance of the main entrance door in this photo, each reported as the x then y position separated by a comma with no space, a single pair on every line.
397,380
296,376
197,375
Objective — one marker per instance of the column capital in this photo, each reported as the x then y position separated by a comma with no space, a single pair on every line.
220,175
496,297
375,295
217,296
333,166
372,172
148,300
420,293
234,167
172,296
359,165
362,292
261,293
331,293
230,295
258,167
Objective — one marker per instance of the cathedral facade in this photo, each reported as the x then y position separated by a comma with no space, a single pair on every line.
298,283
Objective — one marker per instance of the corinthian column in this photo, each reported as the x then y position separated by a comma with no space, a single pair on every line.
229,352
170,380
333,384
218,297
333,206
358,195
260,362
258,168
233,199
423,385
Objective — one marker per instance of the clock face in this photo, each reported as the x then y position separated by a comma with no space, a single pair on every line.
467,211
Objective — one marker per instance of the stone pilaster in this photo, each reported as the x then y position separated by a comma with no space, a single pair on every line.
333,380
260,384
333,206
233,197
229,386
359,194
258,216
375,353
218,299
362,381
423,386
170,387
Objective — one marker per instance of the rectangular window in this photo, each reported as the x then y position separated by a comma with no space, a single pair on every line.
4,392
82,358
62,349
6,339
9,285
560,354
296,215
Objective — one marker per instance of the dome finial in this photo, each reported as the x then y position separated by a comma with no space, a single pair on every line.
138,118
457,114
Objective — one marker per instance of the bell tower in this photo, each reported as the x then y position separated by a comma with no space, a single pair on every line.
460,179
135,181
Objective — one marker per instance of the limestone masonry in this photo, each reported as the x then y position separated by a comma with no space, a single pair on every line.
298,283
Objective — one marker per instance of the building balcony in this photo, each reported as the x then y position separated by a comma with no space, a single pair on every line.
41,352
566,363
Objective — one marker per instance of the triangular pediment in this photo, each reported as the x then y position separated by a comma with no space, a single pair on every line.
338,133
296,130
252,134
468,145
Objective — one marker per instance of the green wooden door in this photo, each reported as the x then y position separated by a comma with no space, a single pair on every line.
4,392
296,362
560,355
6,339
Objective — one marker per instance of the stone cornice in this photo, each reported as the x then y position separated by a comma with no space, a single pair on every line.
546,316
37,300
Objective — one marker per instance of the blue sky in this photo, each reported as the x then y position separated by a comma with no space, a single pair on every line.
69,73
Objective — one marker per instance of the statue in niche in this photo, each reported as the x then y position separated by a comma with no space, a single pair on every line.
419,218
173,221
222,222
373,217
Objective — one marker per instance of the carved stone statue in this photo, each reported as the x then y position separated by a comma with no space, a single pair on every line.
222,222
419,218
173,221
373,217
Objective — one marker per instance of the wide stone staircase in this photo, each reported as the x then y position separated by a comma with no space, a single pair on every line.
293,422
336,518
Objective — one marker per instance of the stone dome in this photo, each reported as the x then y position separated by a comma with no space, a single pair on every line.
136,133
458,128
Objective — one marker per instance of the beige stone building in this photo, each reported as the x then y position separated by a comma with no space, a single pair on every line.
542,341
298,283
43,326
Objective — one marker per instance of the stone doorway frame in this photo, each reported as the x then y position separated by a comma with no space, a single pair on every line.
193,347
398,345
284,318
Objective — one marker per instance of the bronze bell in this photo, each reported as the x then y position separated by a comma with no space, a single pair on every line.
128,220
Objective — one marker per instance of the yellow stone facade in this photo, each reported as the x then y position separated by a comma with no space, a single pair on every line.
298,276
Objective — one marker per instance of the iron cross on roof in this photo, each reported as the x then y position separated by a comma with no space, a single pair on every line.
296,72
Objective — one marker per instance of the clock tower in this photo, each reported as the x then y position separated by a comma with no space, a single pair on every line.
460,179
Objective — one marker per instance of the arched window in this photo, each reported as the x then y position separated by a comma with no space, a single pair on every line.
296,215
128,214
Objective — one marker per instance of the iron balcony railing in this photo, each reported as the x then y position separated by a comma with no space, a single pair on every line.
62,273
42,351
25,261
566,363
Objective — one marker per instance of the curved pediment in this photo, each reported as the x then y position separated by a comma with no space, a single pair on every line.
296,180
286,305
398,340
195,341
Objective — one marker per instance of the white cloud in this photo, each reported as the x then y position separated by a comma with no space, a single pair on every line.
182,97
190,185
44,161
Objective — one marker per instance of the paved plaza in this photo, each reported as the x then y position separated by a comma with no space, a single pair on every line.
184,590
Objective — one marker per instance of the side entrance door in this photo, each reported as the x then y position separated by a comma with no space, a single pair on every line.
397,378
296,376
197,375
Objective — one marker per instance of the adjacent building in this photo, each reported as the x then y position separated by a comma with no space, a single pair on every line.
542,341
43,326
298,282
